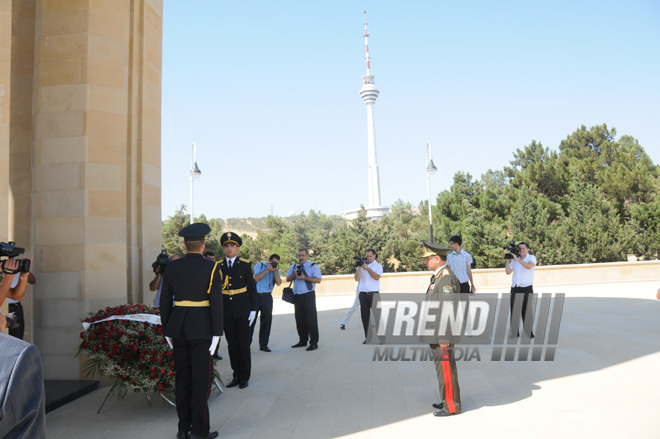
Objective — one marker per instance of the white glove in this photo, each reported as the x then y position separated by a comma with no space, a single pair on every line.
170,342
214,344
253,315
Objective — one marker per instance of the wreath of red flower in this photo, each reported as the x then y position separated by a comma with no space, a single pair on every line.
134,354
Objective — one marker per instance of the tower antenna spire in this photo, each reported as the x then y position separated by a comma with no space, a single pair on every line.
366,43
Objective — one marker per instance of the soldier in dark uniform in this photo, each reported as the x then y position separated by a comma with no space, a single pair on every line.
191,314
239,293
443,281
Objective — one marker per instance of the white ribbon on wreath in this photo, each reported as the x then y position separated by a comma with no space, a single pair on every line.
149,318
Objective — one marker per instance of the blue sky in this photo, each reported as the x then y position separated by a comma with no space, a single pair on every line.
269,92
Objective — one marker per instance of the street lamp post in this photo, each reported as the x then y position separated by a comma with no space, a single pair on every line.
194,173
430,170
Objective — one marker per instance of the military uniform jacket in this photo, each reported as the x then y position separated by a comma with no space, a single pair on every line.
239,277
188,279
445,282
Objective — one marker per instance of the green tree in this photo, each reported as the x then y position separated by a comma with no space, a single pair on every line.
172,242
591,230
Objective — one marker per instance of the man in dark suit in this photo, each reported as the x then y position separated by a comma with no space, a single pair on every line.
443,282
191,314
240,308
22,397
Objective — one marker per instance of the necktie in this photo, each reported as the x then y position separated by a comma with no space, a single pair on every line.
229,263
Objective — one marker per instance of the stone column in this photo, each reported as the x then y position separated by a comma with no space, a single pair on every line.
5,92
95,164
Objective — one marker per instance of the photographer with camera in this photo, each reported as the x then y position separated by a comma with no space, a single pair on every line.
17,291
521,264
159,269
304,275
368,275
266,275
11,268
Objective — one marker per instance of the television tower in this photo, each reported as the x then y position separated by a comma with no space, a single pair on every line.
369,93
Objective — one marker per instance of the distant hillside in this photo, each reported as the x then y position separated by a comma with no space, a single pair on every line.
250,226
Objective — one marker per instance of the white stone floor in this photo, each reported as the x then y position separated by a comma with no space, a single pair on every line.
604,383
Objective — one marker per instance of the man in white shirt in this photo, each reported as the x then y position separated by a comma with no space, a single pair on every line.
522,268
460,262
368,275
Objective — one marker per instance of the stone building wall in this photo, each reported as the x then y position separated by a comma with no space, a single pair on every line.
81,158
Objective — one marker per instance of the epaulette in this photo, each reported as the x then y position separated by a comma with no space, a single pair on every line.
244,260
445,272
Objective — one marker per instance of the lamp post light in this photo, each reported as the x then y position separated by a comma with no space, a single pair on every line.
430,170
194,173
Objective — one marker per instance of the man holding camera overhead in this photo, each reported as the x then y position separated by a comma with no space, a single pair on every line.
304,275
266,275
159,268
522,267
368,275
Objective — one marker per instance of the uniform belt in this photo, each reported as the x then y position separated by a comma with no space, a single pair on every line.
369,292
192,303
232,292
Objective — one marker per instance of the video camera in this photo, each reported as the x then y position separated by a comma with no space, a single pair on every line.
360,261
299,269
513,248
9,251
161,262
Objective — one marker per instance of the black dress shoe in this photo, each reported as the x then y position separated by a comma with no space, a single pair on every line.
212,435
233,383
443,413
312,347
243,385
265,349
300,344
217,356
365,341
342,327
182,435
437,405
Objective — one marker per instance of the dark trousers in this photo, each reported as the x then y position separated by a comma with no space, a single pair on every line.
527,309
445,367
265,311
366,299
17,309
237,333
306,321
194,374
465,287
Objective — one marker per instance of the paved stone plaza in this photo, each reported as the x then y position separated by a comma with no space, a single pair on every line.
602,384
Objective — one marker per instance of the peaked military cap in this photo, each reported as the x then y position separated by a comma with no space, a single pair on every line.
195,232
231,237
431,249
